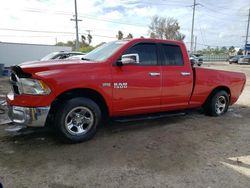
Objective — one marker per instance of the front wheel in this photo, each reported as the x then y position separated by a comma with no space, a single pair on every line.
217,104
77,119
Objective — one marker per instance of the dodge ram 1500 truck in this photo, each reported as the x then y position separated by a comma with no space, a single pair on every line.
120,78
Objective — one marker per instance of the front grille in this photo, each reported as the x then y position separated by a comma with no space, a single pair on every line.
14,83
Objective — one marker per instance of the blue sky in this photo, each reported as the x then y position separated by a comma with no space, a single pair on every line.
217,22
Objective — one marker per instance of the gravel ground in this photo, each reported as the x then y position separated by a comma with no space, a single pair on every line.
185,151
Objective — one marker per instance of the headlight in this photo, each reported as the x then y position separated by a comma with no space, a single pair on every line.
33,87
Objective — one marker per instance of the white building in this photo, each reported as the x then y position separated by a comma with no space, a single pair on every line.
15,53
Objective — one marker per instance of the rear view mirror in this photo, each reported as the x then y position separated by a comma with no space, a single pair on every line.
129,59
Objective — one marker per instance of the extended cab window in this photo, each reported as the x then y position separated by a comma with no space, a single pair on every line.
147,53
172,55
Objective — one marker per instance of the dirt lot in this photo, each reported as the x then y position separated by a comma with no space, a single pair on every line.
186,151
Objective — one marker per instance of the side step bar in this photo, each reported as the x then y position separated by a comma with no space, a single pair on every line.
148,117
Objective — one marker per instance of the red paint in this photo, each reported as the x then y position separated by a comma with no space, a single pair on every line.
144,94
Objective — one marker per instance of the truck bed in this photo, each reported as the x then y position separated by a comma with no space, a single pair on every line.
207,80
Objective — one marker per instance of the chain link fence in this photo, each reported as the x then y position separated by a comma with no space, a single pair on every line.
211,58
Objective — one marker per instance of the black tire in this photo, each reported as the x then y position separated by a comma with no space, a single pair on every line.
212,108
66,111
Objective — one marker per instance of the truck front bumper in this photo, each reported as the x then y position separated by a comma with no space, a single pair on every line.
27,116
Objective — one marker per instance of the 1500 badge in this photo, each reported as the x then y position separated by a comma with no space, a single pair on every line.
122,85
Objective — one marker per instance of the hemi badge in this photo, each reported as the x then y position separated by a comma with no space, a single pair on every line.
106,84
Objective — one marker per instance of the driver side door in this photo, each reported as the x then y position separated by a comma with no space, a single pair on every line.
137,87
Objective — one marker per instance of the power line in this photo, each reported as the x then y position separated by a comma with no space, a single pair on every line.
176,3
36,31
202,36
86,16
35,36
214,10
223,7
91,17
207,45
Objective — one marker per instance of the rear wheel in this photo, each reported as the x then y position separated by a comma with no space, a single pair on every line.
217,104
77,119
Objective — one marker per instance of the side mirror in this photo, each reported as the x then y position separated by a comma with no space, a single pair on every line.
192,61
129,59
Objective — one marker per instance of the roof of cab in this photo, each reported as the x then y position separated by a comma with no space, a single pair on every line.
153,40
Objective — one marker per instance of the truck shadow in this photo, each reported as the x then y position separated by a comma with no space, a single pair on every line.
187,119
109,128
168,144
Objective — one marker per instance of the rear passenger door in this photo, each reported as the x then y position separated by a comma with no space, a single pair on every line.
177,77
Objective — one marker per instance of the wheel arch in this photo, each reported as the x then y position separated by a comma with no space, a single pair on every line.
215,90
81,92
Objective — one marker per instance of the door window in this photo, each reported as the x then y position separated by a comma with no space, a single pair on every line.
147,53
172,55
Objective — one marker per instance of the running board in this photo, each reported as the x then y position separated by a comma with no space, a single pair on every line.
147,117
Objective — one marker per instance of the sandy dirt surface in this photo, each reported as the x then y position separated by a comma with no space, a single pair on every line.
185,151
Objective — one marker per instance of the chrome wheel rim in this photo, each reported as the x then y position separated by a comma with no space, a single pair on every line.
220,105
79,120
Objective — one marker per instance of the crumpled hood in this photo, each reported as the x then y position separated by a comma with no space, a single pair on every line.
33,64
36,67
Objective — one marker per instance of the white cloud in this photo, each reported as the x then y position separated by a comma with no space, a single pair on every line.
216,23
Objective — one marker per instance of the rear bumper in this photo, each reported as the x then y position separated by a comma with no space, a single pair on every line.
30,117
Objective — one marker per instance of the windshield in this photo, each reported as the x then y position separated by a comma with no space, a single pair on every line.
104,51
49,56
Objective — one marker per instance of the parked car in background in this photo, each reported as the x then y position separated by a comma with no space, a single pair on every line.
235,59
79,57
60,55
244,60
196,60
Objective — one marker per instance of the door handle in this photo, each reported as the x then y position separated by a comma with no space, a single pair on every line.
185,73
154,74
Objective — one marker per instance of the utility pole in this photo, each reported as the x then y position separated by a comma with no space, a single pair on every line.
192,31
89,40
195,43
88,31
247,31
76,22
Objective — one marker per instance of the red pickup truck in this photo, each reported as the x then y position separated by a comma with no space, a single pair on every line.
120,78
